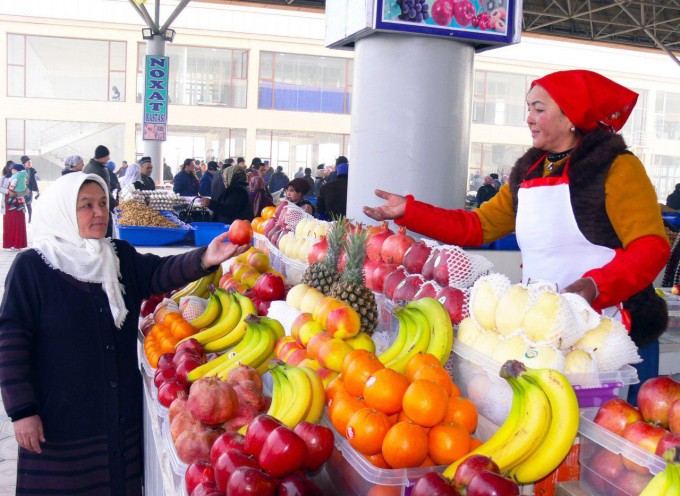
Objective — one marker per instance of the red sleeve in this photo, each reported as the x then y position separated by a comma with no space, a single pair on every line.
454,227
632,269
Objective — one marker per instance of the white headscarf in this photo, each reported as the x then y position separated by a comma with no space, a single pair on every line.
57,238
132,174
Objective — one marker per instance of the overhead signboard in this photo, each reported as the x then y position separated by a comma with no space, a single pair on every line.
156,75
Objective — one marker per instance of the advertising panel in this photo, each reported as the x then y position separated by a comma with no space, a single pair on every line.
155,121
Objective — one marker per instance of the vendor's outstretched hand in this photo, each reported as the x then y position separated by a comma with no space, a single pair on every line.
218,251
393,208
584,287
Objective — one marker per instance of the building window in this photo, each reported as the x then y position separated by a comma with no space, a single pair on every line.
668,115
202,76
634,131
65,68
294,150
305,83
666,175
48,143
486,158
499,98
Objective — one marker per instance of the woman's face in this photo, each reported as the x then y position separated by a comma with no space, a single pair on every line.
92,211
79,166
550,128
292,195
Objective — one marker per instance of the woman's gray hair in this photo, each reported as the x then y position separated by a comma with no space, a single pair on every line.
72,160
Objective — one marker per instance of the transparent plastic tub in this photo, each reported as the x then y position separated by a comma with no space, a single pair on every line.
293,270
609,463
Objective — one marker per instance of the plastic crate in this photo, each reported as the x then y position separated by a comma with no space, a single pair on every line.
206,231
154,236
607,459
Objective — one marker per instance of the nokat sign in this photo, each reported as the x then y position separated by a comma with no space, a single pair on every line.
156,98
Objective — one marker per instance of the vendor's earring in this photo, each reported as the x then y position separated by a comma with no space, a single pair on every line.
572,129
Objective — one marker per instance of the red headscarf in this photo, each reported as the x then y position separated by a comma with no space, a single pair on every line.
589,99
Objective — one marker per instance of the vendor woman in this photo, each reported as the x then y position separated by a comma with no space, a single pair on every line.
583,208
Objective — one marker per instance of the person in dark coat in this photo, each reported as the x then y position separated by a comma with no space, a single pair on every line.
145,183
295,192
320,179
486,192
279,180
333,195
68,374
32,185
205,184
673,200
167,172
234,202
310,180
185,182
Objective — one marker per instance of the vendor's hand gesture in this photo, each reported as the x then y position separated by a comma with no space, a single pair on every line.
203,202
584,287
393,208
29,433
218,251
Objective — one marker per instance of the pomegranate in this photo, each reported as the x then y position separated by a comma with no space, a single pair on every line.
380,273
369,269
194,445
416,256
178,406
212,401
395,246
249,392
244,373
245,413
318,251
376,240
181,422
392,281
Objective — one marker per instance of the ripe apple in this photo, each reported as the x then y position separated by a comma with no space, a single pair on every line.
148,306
187,365
616,414
311,298
316,342
655,398
197,472
433,483
309,329
288,349
206,489
248,481
427,290
369,268
281,342
169,391
324,307
379,275
319,441
630,482
249,278
453,300
670,440
227,463
296,294
192,345
408,288
392,281
258,260
227,440
269,287
343,322
166,360
470,467
673,417
488,483
602,467
297,357
258,431
283,452
361,341
646,436
332,354
298,485
442,12
416,256
240,232
675,289
311,363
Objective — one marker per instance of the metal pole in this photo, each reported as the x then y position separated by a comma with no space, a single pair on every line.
158,12
154,149
178,10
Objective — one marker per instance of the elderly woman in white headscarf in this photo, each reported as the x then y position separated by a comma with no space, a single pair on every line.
132,175
68,339
72,163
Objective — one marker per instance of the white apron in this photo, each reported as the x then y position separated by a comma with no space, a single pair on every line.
553,248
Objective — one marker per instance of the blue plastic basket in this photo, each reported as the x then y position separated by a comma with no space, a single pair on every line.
205,231
508,242
155,236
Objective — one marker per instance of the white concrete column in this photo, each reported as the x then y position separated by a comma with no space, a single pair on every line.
411,113
154,149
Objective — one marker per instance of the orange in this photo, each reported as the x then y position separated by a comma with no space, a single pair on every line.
462,411
418,361
447,442
435,373
333,387
378,461
475,443
268,212
425,403
384,390
384,491
366,430
428,462
341,408
405,445
357,368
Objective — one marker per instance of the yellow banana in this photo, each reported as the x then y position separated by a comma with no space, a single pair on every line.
209,315
254,355
264,366
563,427
274,325
403,335
286,394
230,315
275,405
201,289
237,332
318,401
209,367
247,305
441,329
666,482
185,291
297,408
500,437
418,344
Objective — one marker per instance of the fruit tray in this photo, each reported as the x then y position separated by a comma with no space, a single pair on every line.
275,256
154,236
611,464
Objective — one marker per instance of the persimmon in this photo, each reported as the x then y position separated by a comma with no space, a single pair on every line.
366,430
384,390
447,442
425,403
405,445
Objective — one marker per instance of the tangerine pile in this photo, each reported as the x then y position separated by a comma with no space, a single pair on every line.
165,335
401,421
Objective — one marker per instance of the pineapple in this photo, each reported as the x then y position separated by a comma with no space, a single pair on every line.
323,274
351,287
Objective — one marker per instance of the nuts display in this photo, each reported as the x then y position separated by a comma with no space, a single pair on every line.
135,213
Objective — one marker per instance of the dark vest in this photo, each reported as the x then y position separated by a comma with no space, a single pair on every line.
589,165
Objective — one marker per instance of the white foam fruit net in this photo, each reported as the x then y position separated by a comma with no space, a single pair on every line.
610,344
484,298
463,269
293,215
192,307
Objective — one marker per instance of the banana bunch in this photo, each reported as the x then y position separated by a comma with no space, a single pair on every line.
666,482
297,394
424,327
255,348
540,429
201,287
210,314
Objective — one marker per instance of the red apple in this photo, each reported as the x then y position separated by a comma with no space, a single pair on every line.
197,472
675,289
393,280
646,436
416,256
258,432
428,268
283,452
226,441
262,307
630,482
187,366
616,414
408,288
470,467
603,468
148,306
655,398
453,300
240,232
380,273
298,485
490,484
269,287
185,353
166,360
319,441
433,483
164,375
670,440
427,290
674,417
206,489
458,273
248,481
227,463
190,344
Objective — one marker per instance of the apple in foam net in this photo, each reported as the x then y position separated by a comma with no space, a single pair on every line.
392,281
416,256
453,300
655,398
427,290
408,288
380,273
617,414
